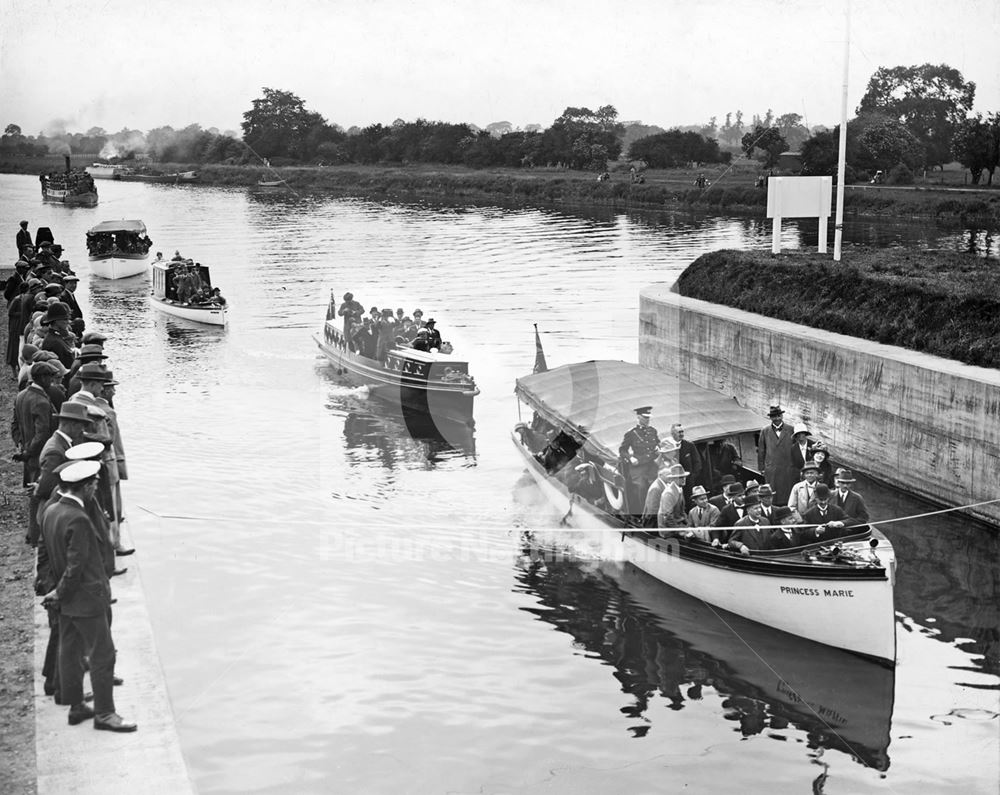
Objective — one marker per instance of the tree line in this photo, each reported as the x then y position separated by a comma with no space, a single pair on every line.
910,119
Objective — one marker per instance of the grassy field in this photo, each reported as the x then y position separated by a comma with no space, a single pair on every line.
942,196
942,303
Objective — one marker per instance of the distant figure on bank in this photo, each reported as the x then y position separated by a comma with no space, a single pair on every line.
23,238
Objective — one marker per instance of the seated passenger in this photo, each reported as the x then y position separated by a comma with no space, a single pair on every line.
826,522
849,501
433,335
770,513
748,533
421,341
651,506
216,297
583,480
802,496
702,516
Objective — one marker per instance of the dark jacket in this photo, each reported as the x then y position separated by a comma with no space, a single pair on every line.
853,504
77,557
833,514
33,421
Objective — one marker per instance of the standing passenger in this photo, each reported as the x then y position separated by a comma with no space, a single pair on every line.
774,455
640,454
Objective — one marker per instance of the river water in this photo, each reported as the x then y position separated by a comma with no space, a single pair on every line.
343,605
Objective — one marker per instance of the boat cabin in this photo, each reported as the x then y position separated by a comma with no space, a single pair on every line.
584,410
118,238
165,283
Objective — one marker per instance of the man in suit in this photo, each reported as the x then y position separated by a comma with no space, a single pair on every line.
672,513
702,516
748,533
93,377
824,521
67,296
640,455
73,421
850,502
59,339
83,595
720,501
33,422
735,510
651,508
774,455
801,499
770,513
23,237
688,457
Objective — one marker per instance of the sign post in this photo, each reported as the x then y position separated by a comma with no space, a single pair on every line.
798,197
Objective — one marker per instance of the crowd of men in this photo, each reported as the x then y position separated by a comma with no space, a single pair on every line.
793,506
68,440
188,282
374,334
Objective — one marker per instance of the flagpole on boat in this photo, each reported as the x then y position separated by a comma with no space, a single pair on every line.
842,155
540,364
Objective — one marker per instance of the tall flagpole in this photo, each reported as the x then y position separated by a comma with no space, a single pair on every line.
838,233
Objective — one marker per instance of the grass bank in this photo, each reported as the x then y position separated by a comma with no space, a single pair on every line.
942,303
942,197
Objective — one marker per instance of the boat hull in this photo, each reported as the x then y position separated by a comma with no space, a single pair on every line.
88,199
210,315
119,267
847,608
437,401
167,179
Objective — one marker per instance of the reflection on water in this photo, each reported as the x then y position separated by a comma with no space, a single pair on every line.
664,644
423,671
404,439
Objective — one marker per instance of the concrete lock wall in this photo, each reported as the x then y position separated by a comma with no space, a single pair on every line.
927,425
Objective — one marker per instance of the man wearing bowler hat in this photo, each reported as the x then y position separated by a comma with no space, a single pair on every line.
640,457
824,521
849,501
748,533
774,455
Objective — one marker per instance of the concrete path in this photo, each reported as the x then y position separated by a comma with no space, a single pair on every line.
79,759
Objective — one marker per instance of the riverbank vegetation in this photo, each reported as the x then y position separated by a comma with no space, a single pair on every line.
943,303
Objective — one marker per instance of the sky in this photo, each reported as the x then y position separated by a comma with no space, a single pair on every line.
76,64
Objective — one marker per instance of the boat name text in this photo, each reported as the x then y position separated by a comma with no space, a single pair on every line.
815,592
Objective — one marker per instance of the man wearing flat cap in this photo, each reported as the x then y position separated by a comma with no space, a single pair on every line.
640,457
23,237
83,595
774,455
68,297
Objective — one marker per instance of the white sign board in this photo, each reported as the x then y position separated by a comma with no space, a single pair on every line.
799,197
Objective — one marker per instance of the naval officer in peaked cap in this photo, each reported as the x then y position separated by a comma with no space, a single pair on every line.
640,457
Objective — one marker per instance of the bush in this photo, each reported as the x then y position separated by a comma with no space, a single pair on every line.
900,174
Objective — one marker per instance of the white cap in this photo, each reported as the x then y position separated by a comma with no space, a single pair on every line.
85,450
79,471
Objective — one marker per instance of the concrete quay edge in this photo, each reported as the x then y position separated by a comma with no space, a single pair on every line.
79,759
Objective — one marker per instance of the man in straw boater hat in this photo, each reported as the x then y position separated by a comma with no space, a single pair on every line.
640,456
774,455
83,595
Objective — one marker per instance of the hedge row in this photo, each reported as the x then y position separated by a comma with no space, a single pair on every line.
942,303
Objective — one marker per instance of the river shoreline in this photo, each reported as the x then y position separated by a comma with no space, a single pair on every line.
731,188
17,626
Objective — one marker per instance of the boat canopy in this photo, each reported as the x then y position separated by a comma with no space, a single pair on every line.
136,226
595,403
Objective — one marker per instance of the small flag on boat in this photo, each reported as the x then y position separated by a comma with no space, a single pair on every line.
331,310
540,365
